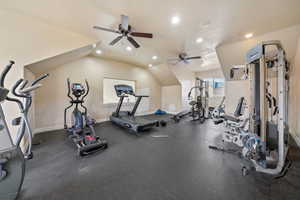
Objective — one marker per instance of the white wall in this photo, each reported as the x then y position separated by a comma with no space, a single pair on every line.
26,40
171,98
215,73
51,99
294,97
234,90
187,80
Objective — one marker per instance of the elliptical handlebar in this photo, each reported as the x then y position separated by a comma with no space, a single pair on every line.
69,89
23,85
20,90
5,71
24,92
39,79
14,89
30,89
20,104
87,90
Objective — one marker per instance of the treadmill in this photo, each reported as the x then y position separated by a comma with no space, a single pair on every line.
127,119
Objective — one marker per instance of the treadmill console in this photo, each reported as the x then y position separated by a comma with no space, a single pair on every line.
124,89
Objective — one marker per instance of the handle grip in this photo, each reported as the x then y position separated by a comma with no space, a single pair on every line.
87,90
14,89
30,89
4,73
23,85
69,89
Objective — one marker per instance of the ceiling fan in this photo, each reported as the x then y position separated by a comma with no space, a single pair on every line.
183,57
125,30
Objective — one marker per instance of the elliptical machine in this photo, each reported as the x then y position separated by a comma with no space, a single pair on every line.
82,131
12,159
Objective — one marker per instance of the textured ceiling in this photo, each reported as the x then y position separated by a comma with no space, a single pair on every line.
215,21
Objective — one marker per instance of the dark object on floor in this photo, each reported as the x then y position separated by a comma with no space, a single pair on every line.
179,116
218,121
160,112
163,123
223,149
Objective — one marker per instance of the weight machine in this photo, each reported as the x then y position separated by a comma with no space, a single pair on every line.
199,106
265,141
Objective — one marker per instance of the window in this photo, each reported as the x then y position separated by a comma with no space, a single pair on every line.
109,93
216,86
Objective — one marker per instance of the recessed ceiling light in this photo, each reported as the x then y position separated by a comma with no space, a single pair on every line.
249,35
175,20
154,57
150,65
98,52
199,40
94,46
128,48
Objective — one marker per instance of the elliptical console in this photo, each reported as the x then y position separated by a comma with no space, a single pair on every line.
82,131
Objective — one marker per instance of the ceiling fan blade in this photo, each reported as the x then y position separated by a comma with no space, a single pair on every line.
133,42
116,40
106,29
145,35
194,57
124,20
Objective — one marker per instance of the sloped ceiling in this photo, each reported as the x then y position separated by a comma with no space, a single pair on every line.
234,53
217,22
48,64
164,74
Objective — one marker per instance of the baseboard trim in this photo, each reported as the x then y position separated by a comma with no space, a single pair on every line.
47,129
61,126
171,112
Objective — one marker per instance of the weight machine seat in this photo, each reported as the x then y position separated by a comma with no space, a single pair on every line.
239,109
211,109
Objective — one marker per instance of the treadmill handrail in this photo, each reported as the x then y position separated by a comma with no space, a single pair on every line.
141,95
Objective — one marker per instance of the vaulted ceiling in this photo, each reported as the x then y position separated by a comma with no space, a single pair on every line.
216,21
